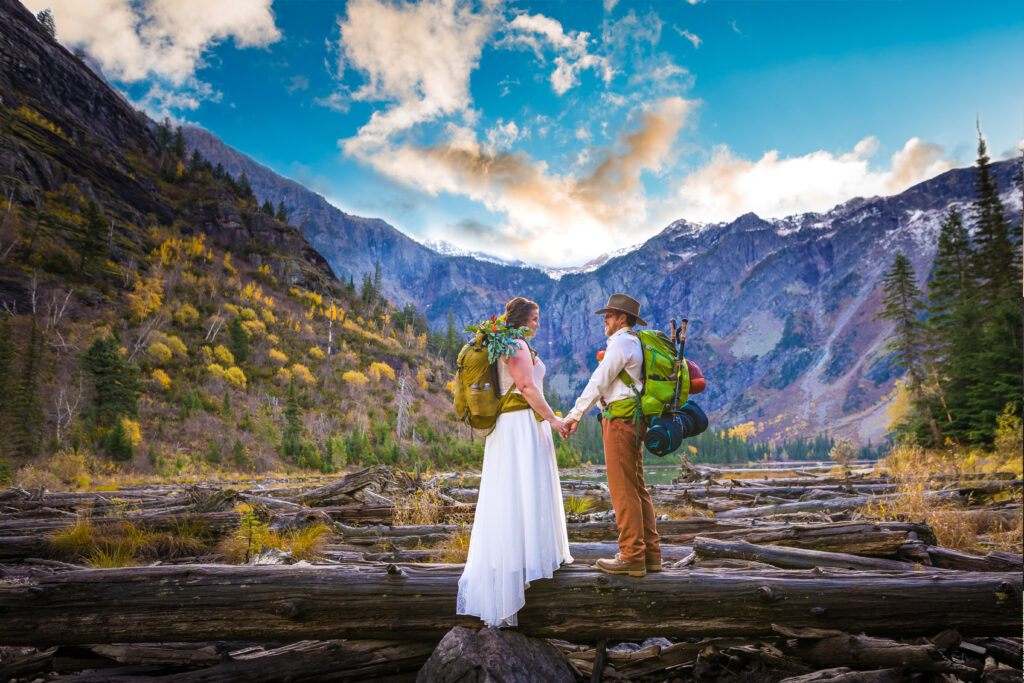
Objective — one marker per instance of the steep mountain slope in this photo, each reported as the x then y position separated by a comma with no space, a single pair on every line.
782,311
149,310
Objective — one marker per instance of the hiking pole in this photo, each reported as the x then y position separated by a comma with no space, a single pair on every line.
681,333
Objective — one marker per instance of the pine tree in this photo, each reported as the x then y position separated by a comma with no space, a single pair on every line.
178,148
117,443
902,305
282,213
268,208
244,189
6,379
952,324
291,437
995,370
115,380
28,406
45,18
92,244
239,340
451,339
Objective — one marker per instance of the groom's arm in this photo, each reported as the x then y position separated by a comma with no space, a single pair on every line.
615,357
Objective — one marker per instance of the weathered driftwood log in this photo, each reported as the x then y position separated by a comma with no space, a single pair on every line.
317,660
789,558
844,674
864,652
376,479
995,561
417,602
856,538
826,505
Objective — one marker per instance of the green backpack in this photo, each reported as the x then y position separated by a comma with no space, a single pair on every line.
661,372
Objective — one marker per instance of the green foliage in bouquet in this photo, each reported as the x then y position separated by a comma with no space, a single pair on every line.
498,336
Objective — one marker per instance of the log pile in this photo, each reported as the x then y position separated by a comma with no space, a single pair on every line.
784,580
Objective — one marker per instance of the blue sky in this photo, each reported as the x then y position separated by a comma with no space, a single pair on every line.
557,131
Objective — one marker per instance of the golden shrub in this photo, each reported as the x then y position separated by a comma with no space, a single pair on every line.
283,376
216,370
277,357
246,314
161,379
255,328
235,376
377,370
223,355
159,352
315,352
267,316
176,346
302,374
186,315
354,378
132,429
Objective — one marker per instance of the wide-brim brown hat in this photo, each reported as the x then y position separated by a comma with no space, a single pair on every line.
621,303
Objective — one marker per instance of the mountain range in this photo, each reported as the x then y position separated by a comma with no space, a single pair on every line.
781,311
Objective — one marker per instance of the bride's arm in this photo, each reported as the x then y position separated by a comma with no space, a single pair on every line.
520,366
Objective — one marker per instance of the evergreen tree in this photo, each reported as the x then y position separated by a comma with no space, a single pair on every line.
28,405
45,18
268,208
115,380
244,189
995,370
92,244
218,171
178,148
117,443
195,163
282,213
952,324
239,340
291,437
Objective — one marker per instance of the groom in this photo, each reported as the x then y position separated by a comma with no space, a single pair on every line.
639,545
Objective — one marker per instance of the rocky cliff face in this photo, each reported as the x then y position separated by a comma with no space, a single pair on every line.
781,311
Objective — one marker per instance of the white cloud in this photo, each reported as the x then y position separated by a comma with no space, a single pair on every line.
609,5
503,135
773,187
417,57
536,31
163,39
692,37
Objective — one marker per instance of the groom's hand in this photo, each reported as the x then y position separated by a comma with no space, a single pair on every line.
571,425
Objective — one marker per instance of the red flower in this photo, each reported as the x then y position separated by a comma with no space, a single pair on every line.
600,355
493,318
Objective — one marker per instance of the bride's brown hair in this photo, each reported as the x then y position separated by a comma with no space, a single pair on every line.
518,311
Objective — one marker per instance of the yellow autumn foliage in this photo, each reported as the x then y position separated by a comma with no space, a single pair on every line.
255,328
377,370
302,374
223,355
186,315
146,297
235,376
161,379
421,378
354,378
283,376
277,357
315,352
268,316
159,352
132,429
176,346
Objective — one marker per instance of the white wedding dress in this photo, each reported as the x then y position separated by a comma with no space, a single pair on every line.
519,529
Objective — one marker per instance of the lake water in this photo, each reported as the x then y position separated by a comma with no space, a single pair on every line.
652,475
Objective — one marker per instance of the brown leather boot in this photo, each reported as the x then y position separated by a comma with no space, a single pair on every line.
617,566
652,565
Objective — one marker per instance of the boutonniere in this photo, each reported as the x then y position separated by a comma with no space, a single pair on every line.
498,336
600,355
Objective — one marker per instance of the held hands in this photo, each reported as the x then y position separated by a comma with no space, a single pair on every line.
570,426
559,424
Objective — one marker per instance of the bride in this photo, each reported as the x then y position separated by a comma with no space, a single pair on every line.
519,532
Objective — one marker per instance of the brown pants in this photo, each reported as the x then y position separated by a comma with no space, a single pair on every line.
634,513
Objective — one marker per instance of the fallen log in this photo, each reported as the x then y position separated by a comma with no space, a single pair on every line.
856,538
417,602
842,674
864,652
829,504
789,558
376,479
995,561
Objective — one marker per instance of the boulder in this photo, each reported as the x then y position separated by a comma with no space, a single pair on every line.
494,655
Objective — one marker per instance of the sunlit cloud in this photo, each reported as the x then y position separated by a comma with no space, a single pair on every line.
774,186
572,56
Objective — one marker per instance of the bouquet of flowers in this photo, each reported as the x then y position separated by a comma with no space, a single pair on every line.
498,336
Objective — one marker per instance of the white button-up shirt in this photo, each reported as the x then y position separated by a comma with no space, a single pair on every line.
605,386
